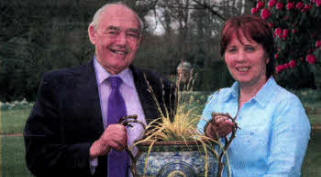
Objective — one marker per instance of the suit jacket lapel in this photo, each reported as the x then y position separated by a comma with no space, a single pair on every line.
90,93
90,83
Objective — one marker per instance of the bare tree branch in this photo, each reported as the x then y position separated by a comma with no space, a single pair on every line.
210,8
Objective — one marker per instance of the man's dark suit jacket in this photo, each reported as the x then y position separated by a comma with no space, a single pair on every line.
66,119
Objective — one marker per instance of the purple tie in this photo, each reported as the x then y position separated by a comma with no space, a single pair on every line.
118,162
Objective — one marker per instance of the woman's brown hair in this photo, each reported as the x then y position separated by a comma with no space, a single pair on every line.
253,28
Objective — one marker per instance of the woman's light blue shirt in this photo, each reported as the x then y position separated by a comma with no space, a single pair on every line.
274,131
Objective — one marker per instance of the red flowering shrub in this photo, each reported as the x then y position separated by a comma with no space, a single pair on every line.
279,68
299,5
265,14
292,64
312,59
260,4
306,7
279,5
272,3
318,44
255,10
290,5
297,32
285,34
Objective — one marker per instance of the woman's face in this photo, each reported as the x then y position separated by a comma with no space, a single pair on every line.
246,61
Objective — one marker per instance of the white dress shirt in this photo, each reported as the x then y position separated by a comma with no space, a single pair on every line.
132,102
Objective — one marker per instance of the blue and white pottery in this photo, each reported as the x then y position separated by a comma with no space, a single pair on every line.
175,159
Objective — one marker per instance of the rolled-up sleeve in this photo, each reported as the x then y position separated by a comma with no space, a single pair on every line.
207,114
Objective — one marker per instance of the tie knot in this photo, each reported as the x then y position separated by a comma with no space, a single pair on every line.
115,82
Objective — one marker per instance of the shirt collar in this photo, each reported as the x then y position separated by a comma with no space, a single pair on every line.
102,74
232,93
262,97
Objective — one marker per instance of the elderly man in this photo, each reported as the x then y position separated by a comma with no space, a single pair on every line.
73,129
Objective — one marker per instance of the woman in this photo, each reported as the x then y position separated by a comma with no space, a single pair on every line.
274,129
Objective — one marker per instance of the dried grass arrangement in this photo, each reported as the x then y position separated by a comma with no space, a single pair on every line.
182,130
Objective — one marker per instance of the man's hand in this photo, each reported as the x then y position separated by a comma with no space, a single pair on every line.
219,126
114,136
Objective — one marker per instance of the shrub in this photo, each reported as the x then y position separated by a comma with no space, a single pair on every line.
296,25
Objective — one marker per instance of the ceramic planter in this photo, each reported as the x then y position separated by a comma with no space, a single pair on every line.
175,159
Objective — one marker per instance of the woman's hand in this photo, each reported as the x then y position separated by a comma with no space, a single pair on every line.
220,126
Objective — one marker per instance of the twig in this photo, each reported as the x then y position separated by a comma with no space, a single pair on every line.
228,142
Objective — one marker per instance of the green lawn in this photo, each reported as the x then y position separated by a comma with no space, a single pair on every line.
315,119
312,163
13,120
13,161
12,147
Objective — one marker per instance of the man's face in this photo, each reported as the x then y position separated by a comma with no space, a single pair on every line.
116,38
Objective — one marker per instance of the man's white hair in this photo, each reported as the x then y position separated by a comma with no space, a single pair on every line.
96,18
